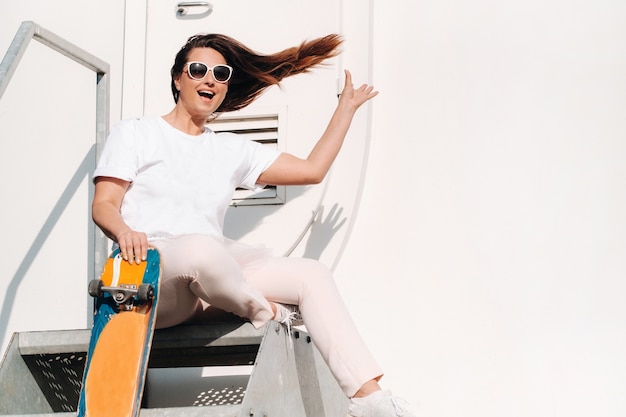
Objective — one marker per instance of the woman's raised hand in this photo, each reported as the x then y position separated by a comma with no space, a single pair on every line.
355,97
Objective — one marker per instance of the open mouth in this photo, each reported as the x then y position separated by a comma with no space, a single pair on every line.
206,94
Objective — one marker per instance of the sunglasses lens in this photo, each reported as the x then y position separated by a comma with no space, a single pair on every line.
197,70
221,73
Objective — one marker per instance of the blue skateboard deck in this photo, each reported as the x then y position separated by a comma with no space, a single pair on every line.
117,360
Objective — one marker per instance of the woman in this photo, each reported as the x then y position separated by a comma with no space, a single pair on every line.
167,182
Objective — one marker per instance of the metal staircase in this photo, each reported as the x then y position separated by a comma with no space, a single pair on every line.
225,369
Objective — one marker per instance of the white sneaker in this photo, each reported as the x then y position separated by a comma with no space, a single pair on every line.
379,404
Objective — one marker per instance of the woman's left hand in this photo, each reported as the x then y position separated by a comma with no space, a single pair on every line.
355,97
291,170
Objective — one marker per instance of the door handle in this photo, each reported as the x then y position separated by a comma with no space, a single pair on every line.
182,9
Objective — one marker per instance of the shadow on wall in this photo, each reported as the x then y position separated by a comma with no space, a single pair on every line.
323,230
318,232
242,218
84,170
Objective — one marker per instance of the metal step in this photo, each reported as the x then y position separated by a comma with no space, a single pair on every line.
216,370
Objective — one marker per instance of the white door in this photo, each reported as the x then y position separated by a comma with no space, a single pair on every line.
305,102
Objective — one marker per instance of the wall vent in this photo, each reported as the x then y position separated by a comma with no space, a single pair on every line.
264,129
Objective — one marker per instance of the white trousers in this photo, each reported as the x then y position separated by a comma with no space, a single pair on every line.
199,270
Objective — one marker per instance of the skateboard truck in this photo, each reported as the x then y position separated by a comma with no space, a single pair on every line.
124,295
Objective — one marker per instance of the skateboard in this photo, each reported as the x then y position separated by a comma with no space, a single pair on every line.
124,315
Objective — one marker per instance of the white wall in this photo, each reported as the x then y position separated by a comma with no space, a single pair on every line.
499,144
47,138
486,264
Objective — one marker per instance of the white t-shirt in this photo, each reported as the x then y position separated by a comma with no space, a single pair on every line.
180,183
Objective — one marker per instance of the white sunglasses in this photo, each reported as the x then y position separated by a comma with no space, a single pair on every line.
199,70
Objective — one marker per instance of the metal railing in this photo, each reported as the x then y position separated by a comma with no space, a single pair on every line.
30,30
98,248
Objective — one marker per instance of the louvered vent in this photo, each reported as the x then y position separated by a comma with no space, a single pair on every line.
260,128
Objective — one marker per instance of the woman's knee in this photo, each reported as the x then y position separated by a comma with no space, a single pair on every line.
317,269
310,272
200,249
203,257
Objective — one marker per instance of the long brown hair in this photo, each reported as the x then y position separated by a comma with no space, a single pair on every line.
253,73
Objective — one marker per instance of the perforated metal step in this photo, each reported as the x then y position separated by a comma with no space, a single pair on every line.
222,369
